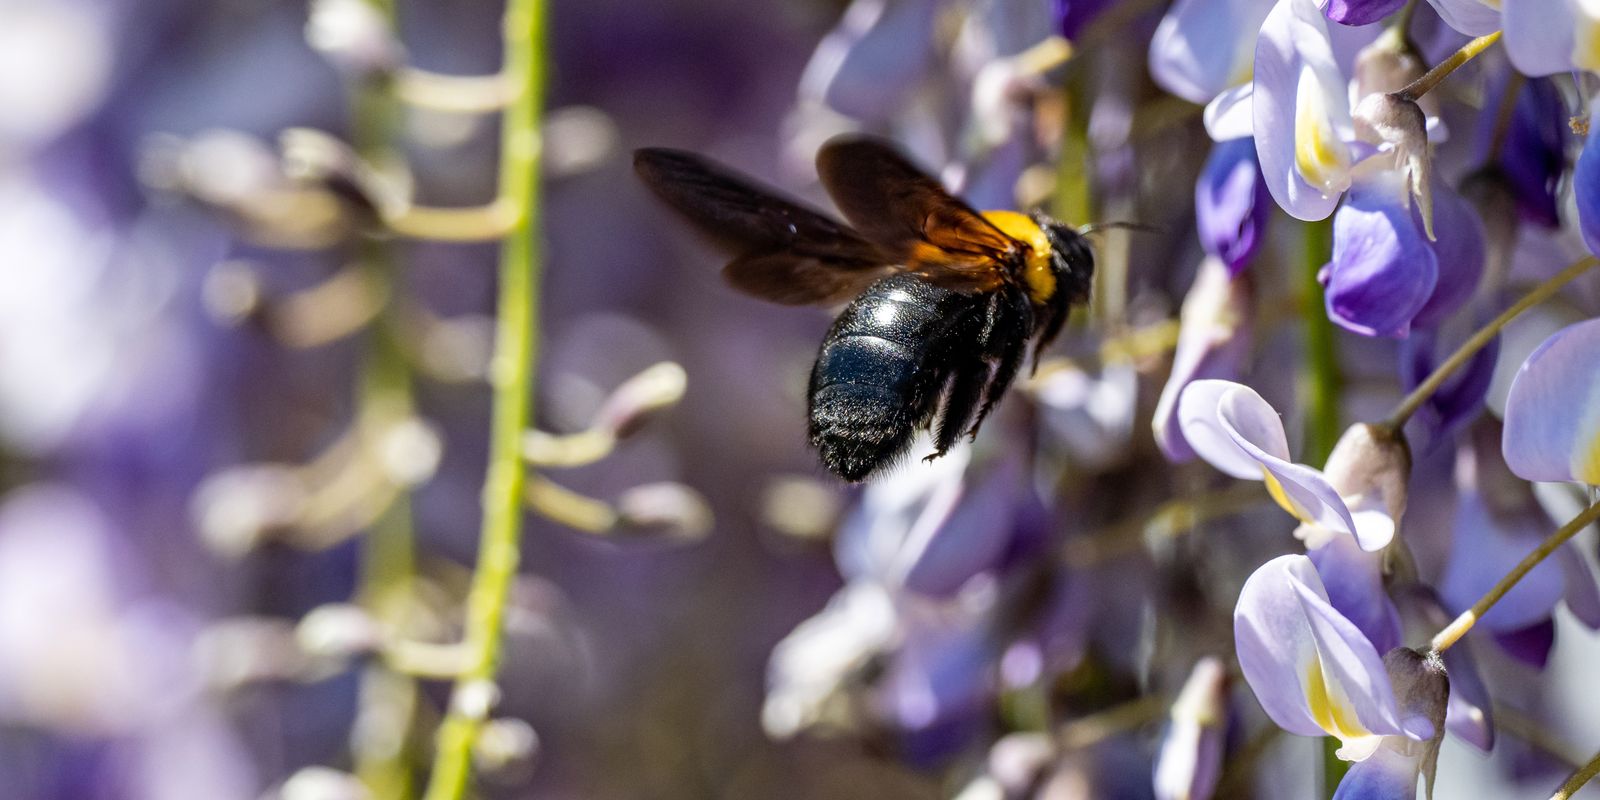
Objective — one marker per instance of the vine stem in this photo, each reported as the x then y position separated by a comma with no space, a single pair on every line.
511,374
1440,71
1463,623
1413,401
1578,779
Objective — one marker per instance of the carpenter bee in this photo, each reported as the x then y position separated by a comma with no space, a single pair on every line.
945,299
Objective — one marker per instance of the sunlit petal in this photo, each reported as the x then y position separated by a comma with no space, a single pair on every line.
1301,112
1538,36
1552,415
1203,47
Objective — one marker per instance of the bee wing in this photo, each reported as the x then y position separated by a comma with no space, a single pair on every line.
909,214
783,251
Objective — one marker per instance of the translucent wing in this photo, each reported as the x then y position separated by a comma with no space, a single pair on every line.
783,251
909,215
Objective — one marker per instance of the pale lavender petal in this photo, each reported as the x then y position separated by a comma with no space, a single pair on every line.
1581,594
1203,47
1190,759
1274,643
1538,36
1482,552
1255,429
1299,93
1199,417
1353,580
1470,17
1310,668
1359,12
867,65
1213,343
1231,115
1586,185
1459,251
1387,775
1383,270
1552,430
1470,715
939,562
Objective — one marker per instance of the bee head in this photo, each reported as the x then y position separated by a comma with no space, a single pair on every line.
1071,261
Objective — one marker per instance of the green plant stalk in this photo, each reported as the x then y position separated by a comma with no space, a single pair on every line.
1322,380
1321,386
388,557
511,374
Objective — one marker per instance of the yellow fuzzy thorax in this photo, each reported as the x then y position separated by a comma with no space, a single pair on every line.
1036,271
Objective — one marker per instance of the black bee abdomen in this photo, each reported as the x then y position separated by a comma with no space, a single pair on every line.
879,374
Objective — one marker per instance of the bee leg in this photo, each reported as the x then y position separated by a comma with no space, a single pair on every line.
1007,349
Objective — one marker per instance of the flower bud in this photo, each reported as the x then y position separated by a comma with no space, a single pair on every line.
630,404
338,631
506,745
670,509
323,783
1398,122
409,451
236,508
1213,342
354,36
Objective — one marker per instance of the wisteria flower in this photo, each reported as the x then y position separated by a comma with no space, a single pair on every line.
1203,48
1231,204
1190,760
1552,414
1213,342
1313,671
1236,431
1586,185
1422,689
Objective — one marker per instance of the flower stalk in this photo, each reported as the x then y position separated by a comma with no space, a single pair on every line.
511,375
1544,291
1458,627
1442,70
1578,779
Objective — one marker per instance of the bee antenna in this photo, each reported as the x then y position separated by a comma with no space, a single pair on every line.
1095,227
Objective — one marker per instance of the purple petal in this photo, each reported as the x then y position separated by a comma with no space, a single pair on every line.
1586,185
1353,580
1460,399
1538,36
973,539
1254,427
1581,594
1213,343
1231,203
1071,16
1459,252
1202,47
1294,52
867,65
1552,416
1387,775
1310,668
1530,645
1470,713
1383,270
1533,157
1469,17
908,506
1483,550
1359,12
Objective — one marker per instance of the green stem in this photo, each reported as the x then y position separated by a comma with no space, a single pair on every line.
1322,379
1440,71
511,374
1321,387
388,558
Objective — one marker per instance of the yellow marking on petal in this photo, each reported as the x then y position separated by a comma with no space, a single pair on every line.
1036,272
1283,499
1329,707
1319,156
1586,461
1586,34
